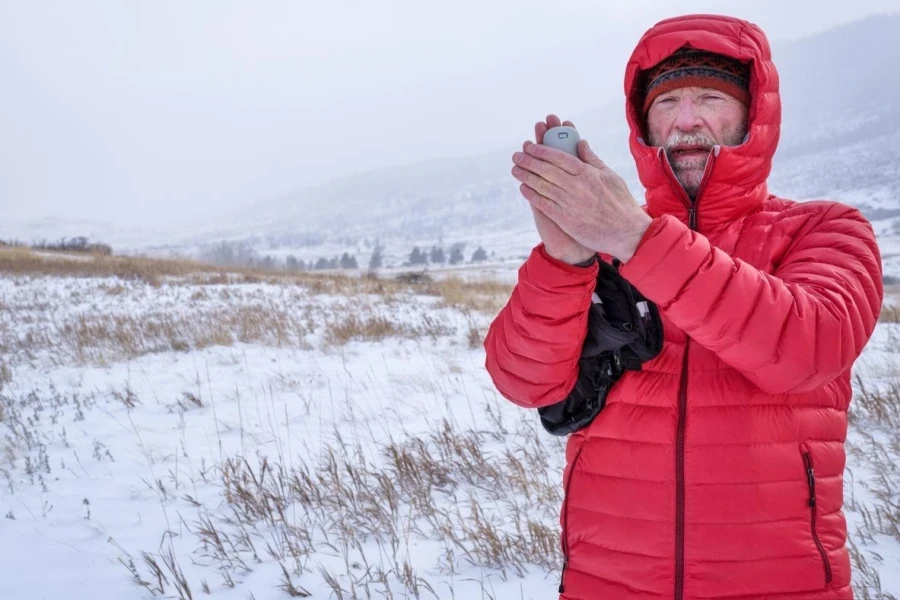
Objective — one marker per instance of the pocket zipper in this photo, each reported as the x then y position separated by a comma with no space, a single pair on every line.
811,483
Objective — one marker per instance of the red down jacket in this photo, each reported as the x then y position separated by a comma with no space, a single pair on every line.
717,470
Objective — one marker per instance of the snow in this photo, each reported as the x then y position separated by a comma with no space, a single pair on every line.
103,457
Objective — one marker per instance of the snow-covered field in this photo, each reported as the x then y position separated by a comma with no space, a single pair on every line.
252,437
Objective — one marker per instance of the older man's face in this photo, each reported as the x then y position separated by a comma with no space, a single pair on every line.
688,122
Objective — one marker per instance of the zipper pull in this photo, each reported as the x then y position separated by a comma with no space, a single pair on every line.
692,217
562,576
810,479
812,486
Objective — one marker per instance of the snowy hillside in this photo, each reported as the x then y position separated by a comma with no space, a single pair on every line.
841,128
175,432
839,141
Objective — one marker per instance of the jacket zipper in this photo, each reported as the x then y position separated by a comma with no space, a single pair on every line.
811,482
682,394
679,478
565,525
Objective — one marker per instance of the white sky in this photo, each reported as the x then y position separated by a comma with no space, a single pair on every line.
151,112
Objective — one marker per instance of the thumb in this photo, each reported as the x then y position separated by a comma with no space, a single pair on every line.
587,155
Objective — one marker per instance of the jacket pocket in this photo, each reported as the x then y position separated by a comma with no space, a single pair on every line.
813,510
567,491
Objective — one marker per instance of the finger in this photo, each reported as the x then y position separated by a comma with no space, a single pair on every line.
569,124
543,169
563,160
540,202
552,121
540,129
588,155
539,184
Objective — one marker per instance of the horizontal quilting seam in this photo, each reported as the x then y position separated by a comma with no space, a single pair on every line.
586,542
583,471
834,590
670,373
641,442
694,444
766,482
767,406
754,522
717,561
624,586
653,406
574,506
804,519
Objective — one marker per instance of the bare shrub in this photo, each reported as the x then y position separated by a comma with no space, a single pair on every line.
480,296
353,327
474,337
890,313
75,244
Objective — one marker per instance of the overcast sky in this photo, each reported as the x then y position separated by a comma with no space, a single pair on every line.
157,111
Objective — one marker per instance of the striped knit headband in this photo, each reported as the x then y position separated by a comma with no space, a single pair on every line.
697,68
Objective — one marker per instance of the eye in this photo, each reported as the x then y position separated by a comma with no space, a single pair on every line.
712,97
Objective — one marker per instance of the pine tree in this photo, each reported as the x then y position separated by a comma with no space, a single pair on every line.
377,259
437,255
417,257
456,255
479,255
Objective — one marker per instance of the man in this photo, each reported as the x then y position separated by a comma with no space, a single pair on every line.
716,470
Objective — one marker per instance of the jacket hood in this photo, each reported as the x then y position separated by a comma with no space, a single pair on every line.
737,182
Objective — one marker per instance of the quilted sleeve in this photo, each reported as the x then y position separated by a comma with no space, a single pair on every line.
790,331
533,345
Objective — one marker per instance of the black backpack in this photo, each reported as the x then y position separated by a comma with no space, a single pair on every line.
624,330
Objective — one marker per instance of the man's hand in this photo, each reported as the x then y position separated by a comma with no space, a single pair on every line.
557,242
586,199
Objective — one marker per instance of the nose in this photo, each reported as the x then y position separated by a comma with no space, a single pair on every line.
687,118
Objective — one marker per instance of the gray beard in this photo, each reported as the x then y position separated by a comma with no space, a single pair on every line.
690,173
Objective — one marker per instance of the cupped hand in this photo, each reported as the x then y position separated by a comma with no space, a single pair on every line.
557,242
585,199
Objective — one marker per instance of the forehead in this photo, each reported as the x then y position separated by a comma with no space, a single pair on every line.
695,91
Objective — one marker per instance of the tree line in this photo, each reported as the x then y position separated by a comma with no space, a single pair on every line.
243,254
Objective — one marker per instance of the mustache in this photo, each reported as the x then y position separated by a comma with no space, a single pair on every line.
693,138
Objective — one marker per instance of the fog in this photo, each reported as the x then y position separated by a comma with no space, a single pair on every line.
152,113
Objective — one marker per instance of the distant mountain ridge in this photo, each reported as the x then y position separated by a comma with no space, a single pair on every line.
840,140
841,120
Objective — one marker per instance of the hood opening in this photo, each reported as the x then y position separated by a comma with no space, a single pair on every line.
636,94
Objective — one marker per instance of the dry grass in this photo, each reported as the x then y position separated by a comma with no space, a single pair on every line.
488,496
478,296
486,508
98,338
202,306
890,313
352,326
22,261
874,443
482,296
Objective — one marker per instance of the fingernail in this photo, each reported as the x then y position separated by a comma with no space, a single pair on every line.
517,156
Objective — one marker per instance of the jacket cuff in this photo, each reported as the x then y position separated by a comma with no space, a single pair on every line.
553,289
553,271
